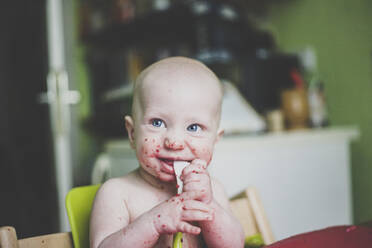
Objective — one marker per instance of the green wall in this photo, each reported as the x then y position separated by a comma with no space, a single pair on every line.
341,33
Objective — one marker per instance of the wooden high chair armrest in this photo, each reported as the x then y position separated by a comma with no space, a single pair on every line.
248,208
8,239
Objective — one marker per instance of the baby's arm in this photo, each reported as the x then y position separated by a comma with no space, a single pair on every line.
110,220
224,230
109,224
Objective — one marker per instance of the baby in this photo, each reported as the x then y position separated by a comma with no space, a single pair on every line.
175,117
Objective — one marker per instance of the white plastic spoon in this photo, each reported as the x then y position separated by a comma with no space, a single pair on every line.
178,168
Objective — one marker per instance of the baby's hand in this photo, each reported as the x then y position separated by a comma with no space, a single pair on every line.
175,214
196,181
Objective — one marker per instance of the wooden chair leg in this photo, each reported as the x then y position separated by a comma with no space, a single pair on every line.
8,237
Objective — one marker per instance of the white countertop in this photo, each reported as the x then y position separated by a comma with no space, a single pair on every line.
270,138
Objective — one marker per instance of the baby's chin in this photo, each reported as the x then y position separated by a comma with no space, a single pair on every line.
162,176
168,178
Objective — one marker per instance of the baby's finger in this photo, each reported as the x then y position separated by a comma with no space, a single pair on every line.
196,178
197,205
188,228
196,166
195,215
191,195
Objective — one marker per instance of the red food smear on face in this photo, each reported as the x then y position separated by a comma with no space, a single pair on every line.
157,150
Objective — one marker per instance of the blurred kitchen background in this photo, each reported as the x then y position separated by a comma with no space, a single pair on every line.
304,67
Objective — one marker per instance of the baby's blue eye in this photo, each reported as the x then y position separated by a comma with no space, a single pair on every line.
193,128
157,122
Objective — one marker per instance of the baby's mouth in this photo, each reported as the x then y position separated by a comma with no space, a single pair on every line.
167,161
170,161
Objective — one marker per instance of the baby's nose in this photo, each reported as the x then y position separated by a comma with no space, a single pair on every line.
174,143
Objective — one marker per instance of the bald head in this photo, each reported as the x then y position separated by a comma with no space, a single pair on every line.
176,73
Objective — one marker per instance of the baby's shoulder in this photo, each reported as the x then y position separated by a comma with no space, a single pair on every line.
120,186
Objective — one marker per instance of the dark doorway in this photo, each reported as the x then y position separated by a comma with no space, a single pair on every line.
28,198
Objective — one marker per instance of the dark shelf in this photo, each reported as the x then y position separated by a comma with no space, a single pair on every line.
169,26
226,43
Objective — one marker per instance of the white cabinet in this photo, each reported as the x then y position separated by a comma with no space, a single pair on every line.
303,177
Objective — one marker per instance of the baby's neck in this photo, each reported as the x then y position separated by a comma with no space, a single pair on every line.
168,187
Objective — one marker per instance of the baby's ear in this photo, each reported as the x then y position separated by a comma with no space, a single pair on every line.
220,133
129,125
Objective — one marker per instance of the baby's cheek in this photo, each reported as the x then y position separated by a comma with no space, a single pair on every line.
203,152
150,147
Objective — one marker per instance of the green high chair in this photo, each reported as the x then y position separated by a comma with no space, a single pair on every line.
79,203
